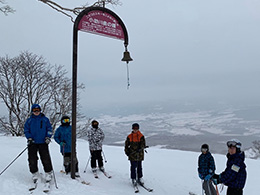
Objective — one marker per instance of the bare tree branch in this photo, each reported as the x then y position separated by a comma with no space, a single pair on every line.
29,79
73,12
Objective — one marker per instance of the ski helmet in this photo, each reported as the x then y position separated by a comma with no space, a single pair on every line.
65,120
135,126
235,143
204,148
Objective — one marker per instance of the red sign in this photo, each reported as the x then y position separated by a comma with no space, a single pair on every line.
102,23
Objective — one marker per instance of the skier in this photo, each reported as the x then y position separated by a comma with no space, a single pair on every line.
95,137
206,170
234,176
134,149
38,131
63,137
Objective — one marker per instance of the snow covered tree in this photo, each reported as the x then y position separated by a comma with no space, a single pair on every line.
6,9
256,148
28,79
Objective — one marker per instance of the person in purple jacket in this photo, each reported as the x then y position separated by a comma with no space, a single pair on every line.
38,131
234,176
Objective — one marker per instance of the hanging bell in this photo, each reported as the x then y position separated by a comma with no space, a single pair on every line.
126,58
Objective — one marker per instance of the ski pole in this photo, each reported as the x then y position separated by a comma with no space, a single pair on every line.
87,164
63,157
14,160
202,191
217,189
104,156
54,178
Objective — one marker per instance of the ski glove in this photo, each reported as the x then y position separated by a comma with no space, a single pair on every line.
30,141
208,177
47,140
127,153
216,179
201,176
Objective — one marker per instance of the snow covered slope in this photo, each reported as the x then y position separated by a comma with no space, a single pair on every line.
168,172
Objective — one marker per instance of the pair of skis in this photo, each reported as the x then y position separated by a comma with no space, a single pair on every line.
136,189
78,179
104,172
46,188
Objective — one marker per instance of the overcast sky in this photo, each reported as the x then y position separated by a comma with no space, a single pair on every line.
182,49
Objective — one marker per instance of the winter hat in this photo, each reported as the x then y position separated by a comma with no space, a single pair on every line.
205,147
135,126
65,120
35,106
94,124
236,143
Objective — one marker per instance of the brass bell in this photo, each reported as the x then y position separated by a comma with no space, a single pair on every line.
126,58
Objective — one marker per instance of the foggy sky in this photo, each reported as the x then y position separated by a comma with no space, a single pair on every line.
182,50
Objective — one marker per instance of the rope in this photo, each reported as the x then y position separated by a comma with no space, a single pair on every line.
128,83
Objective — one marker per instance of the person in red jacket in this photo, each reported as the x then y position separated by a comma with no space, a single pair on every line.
134,149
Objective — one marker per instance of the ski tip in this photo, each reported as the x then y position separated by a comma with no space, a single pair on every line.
86,183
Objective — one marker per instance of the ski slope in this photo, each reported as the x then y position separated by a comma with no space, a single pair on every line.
168,172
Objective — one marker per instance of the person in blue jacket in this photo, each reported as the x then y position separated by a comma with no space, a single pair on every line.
206,169
63,137
234,176
38,131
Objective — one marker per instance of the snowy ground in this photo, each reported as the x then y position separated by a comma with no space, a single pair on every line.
166,171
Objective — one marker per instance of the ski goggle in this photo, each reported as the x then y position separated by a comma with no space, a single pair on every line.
36,110
204,149
94,123
66,120
232,144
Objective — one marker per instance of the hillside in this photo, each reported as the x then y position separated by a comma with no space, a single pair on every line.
168,172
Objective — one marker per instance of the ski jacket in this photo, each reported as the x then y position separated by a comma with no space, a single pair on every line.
234,175
63,134
134,146
206,164
37,128
95,138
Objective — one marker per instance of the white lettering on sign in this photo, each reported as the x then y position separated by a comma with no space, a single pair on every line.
102,23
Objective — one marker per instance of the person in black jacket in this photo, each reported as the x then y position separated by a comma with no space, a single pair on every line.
234,175
206,170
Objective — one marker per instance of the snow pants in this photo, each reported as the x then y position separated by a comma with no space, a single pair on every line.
208,188
96,156
67,162
136,166
234,191
43,150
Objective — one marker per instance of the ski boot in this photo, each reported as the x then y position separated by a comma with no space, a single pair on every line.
134,182
140,181
48,176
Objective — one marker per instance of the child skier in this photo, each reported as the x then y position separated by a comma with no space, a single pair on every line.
95,137
134,149
63,137
206,170
234,175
